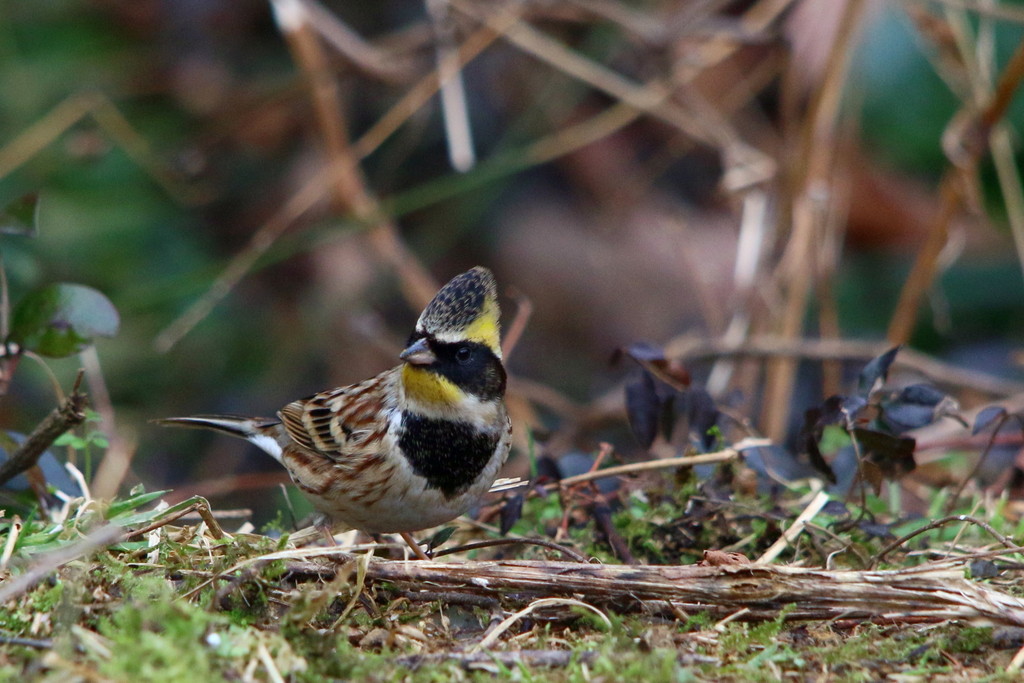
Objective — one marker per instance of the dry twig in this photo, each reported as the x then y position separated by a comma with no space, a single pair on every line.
70,413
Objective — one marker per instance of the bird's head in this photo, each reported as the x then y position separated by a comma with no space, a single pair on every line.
455,349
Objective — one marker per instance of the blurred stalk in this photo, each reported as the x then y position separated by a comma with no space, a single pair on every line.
967,138
351,193
812,192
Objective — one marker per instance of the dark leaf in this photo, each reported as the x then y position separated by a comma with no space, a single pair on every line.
511,511
813,425
921,394
872,474
986,417
644,352
548,469
440,538
914,406
643,408
875,530
1016,482
893,455
810,434
836,508
984,569
775,464
667,418
874,374
62,319
835,408
702,414
652,359
818,461
20,217
52,469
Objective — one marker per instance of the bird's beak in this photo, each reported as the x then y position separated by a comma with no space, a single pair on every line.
418,353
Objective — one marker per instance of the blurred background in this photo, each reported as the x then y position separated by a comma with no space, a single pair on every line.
269,191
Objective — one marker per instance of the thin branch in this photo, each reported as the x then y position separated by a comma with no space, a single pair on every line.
1007,543
197,505
70,413
491,638
489,661
954,499
725,455
700,121
454,107
421,93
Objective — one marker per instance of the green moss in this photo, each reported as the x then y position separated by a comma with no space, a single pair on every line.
969,639
156,636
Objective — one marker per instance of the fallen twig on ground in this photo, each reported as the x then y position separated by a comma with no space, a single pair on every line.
929,593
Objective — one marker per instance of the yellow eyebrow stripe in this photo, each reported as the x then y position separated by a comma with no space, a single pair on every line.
485,329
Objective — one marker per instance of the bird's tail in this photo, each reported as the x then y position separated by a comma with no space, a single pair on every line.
260,431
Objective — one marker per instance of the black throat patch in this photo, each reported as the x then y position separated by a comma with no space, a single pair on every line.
449,455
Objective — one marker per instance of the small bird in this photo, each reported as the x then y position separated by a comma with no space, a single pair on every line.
411,448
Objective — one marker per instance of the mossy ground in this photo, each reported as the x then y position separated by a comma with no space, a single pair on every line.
181,605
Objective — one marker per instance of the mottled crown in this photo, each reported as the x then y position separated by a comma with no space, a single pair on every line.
466,309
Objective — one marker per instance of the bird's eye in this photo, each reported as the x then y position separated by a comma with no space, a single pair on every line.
463,354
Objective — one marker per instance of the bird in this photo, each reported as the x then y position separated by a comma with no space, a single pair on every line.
411,448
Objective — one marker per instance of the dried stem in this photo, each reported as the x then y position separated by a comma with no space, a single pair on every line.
967,148
110,119
954,499
796,528
350,189
1007,543
196,505
70,413
817,146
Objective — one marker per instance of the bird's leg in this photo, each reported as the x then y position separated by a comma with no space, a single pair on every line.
414,545
328,532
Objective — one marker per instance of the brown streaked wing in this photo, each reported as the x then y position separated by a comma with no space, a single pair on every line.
308,423
335,422
292,420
